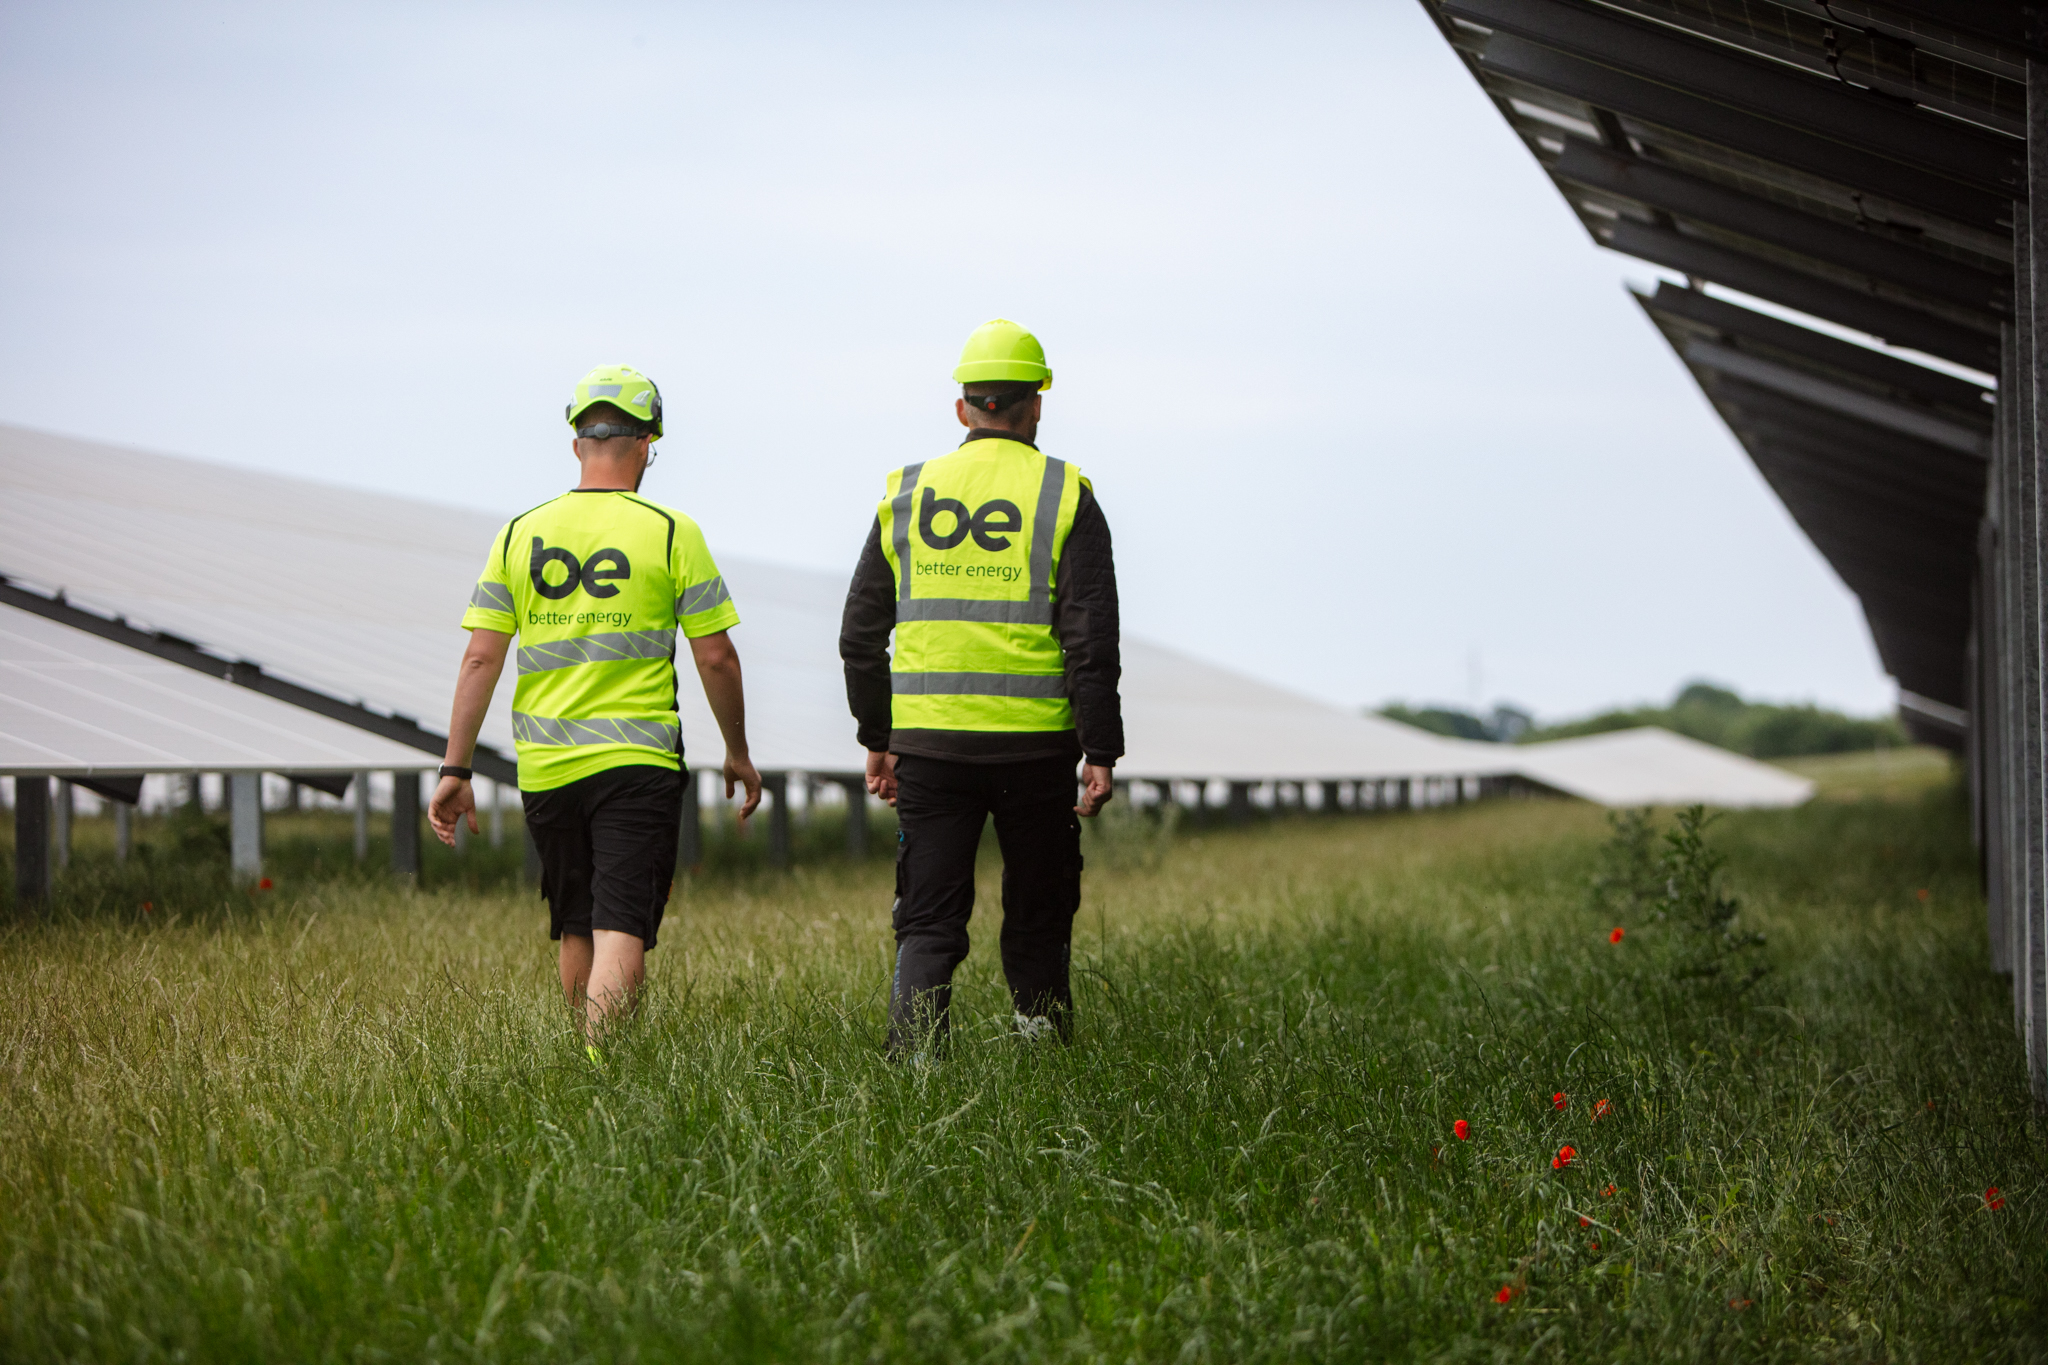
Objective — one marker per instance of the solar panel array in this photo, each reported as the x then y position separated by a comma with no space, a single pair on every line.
352,601
1869,164
74,705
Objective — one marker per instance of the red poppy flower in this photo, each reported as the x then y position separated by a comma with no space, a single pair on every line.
1463,1130
1615,937
1558,1102
1564,1157
1592,1246
1584,1221
149,907
1739,1304
1923,893
1507,1291
263,885
1607,1193
1993,1199
1600,1109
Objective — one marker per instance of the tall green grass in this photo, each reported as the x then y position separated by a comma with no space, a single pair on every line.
352,1123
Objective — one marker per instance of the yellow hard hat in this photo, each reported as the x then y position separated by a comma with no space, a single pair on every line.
1000,349
626,389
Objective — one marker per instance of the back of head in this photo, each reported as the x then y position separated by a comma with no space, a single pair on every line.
603,422
999,402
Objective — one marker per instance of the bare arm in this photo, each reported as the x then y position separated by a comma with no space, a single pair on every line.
718,666
475,680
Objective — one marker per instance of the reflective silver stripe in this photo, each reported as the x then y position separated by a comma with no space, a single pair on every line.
650,734
703,597
975,609
1044,524
597,649
604,390
900,511
492,597
979,684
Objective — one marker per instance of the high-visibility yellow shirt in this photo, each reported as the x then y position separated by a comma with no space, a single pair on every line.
974,540
594,585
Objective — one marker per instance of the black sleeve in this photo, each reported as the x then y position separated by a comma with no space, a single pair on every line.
864,642
1084,617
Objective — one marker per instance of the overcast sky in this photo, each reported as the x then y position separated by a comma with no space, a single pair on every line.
1369,414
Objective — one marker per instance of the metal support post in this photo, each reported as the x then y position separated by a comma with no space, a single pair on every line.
776,785
31,842
405,825
359,802
497,814
690,829
1240,806
62,809
1992,723
2012,536
857,818
2030,269
1404,794
245,824
124,831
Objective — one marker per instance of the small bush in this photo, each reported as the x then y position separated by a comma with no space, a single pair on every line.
1677,889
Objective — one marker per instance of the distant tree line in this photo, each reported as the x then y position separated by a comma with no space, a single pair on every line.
1504,726
1701,710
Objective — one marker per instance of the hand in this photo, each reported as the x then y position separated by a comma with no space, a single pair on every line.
453,799
882,776
1099,789
739,771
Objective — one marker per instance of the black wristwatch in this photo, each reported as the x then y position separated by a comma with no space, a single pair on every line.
450,770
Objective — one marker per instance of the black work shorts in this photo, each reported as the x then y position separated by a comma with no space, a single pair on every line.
608,849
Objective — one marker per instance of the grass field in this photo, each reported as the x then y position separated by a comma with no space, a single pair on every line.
345,1122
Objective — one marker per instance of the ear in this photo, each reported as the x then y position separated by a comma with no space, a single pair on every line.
960,411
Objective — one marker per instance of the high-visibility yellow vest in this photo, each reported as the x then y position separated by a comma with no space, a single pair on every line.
974,539
595,584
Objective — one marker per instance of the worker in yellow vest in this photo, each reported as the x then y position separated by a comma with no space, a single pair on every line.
596,584
992,567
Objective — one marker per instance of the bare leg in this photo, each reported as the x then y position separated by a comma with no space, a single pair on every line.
576,957
617,968
602,978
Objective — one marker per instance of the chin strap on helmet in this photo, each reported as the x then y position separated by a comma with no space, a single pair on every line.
997,402
605,431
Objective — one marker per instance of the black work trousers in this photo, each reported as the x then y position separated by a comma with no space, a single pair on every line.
940,809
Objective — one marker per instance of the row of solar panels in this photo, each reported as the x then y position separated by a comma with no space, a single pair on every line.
1858,166
1868,164
161,614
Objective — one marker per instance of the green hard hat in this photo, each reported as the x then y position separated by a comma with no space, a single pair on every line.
1000,349
625,388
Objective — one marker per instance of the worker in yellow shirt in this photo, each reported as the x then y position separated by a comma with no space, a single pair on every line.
595,584
991,565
